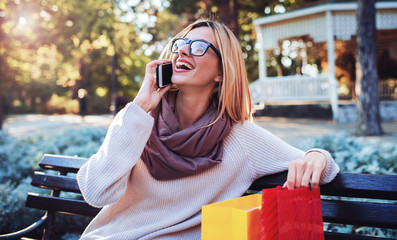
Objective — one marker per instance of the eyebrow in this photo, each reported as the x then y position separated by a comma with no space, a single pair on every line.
196,39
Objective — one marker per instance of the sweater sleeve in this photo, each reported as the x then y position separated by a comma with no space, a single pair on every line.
331,169
103,179
268,154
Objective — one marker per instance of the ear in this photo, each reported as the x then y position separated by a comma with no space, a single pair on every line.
218,77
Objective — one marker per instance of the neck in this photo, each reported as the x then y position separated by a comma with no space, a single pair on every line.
190,107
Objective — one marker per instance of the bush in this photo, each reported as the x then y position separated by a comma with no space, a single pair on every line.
82,143
13,214
18,160
356,154
71,236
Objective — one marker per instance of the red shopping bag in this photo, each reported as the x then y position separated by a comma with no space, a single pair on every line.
291,214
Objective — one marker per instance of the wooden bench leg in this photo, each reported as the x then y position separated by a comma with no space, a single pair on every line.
51,215
47,233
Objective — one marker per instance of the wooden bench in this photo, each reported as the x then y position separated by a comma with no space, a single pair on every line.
53,203
343,211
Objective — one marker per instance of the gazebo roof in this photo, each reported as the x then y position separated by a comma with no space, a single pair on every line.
330,18
333,5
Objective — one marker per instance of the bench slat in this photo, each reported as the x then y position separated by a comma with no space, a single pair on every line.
62,183
68,206
370,214
345,184
344,236
334,211
62,163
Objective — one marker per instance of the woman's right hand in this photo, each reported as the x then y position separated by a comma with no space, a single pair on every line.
150,95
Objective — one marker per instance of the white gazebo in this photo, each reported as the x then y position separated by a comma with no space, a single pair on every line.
327,22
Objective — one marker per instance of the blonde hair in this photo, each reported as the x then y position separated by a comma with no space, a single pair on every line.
232,94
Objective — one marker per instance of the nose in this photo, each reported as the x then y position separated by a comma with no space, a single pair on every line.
184,50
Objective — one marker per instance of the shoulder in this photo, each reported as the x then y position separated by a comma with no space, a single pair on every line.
255,138
248,135
248,130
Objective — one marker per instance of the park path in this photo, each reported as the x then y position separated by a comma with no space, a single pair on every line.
25,125
294,131
290,130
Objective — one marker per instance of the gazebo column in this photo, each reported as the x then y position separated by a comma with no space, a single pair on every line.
333,85
262,54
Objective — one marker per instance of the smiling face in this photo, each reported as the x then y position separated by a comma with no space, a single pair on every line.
228,81
193,71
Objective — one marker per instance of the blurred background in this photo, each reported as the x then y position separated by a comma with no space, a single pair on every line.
67,66
50,49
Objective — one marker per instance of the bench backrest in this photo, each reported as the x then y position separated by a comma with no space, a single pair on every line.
335,210
63,165
355,199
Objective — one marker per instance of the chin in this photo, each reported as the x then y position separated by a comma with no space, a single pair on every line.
181,78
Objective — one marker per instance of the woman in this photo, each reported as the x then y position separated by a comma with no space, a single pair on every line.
168,153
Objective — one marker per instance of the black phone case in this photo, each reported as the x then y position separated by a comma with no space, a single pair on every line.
163,75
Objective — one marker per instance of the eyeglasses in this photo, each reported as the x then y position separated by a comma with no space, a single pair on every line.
196,47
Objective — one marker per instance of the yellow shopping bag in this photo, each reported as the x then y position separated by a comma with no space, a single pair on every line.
235,219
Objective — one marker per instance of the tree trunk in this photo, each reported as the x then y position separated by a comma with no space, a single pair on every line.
229,11
114,84
2,72
1,111
367,88
235,25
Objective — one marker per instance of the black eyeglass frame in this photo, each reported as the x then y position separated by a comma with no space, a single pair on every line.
189,42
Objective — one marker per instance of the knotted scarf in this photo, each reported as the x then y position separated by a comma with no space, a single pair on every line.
172,152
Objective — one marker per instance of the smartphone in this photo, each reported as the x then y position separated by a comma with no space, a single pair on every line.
164,74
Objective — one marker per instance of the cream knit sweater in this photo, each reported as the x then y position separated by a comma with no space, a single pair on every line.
137,206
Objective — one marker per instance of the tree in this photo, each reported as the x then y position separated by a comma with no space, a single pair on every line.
50,49
238,15
367,88
2,78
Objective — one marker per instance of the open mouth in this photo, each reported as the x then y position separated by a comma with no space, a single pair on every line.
184,66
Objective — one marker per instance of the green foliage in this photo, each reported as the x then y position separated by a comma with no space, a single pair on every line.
245,11
71,236
366,231
13,214
62,105
83,143
19,159
358,155
57,47
227,12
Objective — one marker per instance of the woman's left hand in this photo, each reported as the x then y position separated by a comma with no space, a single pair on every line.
302,170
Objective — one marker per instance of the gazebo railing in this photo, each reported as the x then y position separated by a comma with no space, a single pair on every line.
291,88
387,90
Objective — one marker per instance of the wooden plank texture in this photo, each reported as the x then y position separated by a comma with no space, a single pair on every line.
344,236
55,182
355,212
56,204
62,163
360,213
345,184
